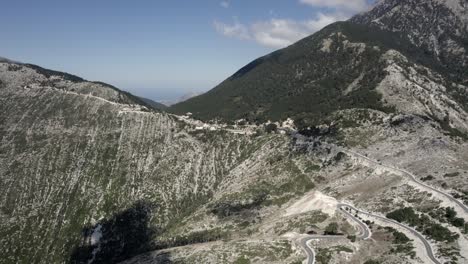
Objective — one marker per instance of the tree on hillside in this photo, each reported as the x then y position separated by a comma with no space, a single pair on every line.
271,128
332,229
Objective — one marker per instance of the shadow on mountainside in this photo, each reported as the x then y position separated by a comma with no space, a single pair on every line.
119,238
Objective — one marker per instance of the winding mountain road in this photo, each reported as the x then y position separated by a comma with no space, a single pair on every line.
365,233
309,250
427,245
412,177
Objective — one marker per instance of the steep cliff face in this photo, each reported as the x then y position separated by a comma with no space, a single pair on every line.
74,152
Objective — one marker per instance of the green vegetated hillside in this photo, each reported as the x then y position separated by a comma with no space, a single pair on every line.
337,68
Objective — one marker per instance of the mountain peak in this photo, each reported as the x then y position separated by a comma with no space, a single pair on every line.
438,27
455,10
424,11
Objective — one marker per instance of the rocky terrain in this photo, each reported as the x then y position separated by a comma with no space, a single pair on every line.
76,153
92,174
439,27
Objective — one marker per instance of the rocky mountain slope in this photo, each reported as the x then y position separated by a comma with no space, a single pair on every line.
89,174
92,174
440,28
74,152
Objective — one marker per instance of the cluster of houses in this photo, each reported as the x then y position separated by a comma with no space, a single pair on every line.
284,127
239,127
199,125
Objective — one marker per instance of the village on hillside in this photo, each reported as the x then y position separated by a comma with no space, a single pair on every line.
240,126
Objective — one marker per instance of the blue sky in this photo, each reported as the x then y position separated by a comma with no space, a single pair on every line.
159,49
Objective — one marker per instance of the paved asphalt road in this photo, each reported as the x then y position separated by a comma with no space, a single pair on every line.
310,251
365,234
413,178
365,231
429,251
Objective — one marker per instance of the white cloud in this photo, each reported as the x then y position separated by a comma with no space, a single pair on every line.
350,5
235,30
322,20
225,4
279,33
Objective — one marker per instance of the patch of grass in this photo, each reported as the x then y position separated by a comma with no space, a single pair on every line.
300,222
323,256
400,238
342,249
423,224
401,243
312,168
296,262
275,251
227,208
451,253
453,174
193,238
448,215
242,260
372,261
332,229
463,196
427,178
452,132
